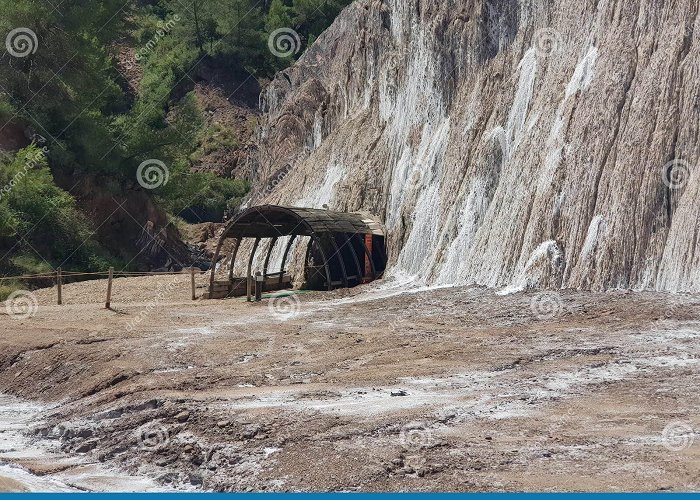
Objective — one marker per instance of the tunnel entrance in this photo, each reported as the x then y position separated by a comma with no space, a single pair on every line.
343,249
357,258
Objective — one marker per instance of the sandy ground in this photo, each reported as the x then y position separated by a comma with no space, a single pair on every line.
369,389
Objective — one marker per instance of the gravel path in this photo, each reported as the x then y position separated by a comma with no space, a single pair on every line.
376,388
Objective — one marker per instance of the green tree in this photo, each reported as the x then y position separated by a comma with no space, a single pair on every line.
62,79
314,16
37,216
279,16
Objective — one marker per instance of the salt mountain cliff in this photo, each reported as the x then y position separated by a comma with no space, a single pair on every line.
505,143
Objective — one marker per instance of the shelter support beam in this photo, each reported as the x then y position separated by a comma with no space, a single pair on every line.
250,269
286,254
339,257
358,267
232,264
267,258
214,260
316,239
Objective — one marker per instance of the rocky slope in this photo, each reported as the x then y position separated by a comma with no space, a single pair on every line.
505,143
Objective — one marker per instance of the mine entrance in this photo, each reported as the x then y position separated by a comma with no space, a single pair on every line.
342,249
354,259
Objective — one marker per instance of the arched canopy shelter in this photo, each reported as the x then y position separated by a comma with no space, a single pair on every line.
344,249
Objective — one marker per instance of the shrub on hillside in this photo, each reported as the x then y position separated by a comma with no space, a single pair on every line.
37,217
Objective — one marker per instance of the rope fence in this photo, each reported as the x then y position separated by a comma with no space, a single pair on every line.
99,273
59,275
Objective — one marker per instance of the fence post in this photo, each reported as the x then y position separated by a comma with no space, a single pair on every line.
59,280
194,290
258,286
109,288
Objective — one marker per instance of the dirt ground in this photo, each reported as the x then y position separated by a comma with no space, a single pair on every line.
368,389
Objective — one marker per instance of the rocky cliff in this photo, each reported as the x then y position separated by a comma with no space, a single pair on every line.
505,143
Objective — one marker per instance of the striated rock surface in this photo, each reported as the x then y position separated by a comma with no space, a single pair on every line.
527,143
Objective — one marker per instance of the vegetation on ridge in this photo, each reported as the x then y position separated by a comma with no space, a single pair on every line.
89,117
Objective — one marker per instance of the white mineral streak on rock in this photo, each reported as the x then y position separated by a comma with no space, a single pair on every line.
583,74
590,254
480,153
552,162
596,232
472,211
318,130
318,196
423,187
521,102
680,264
545,260
278,252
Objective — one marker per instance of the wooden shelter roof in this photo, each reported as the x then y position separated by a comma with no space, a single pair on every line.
271,221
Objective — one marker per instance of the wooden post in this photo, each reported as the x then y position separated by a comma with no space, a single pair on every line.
258,286
368,256
109,288
59,279
249,275
194,288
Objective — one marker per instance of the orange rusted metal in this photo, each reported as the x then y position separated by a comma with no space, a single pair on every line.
368,265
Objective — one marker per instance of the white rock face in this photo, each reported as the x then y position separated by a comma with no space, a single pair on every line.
505,143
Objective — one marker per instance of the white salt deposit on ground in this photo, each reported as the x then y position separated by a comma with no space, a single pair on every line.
16,446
